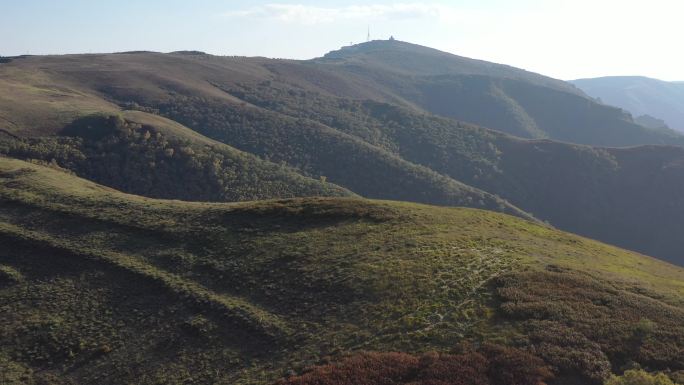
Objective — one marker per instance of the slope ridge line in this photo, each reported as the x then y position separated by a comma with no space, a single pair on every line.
266,325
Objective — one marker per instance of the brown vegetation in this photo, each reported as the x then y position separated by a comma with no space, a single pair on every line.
491,365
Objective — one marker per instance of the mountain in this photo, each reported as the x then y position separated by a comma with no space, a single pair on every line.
496,96
412,59
640,96
292,125
98,286
597,192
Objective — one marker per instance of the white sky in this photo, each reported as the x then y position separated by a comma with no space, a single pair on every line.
560,38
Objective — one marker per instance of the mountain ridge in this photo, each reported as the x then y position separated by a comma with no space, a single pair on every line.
440,63
447,84
332,125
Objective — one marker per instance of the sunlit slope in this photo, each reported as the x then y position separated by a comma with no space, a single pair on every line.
36,102
113,81
101,286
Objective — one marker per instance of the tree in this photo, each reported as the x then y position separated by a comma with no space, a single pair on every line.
639,377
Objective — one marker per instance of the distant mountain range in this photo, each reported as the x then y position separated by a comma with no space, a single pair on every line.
641,96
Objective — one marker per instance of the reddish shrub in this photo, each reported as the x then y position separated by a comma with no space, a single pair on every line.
491,365
584,325
508,366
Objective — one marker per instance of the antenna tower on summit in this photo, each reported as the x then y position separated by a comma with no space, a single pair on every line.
368,35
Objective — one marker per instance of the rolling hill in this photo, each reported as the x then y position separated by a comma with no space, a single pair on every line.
630,197
324,128
640,96
149,155
97,286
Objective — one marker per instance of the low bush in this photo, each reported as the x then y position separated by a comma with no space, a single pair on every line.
640,377
490,365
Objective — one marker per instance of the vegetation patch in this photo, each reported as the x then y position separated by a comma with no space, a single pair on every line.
490,365
115,287
585,326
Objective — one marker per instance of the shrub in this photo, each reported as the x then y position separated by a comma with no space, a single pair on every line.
640,377
491,365
584,326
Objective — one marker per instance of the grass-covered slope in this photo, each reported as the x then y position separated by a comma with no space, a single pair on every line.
184,88
97,286
413,59
629,197
491,95
291,113
36,102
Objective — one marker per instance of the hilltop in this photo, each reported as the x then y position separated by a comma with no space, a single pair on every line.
414,59
496,96
101,286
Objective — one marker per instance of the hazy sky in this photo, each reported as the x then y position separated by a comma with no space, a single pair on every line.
564,39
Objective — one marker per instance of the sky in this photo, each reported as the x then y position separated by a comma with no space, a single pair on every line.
565,39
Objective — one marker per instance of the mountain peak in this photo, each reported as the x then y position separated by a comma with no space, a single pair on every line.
375,46
404,58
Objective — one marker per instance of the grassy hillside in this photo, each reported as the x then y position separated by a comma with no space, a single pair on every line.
178,86
354,120
35,101
630,197
413,59
100,286
492,95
